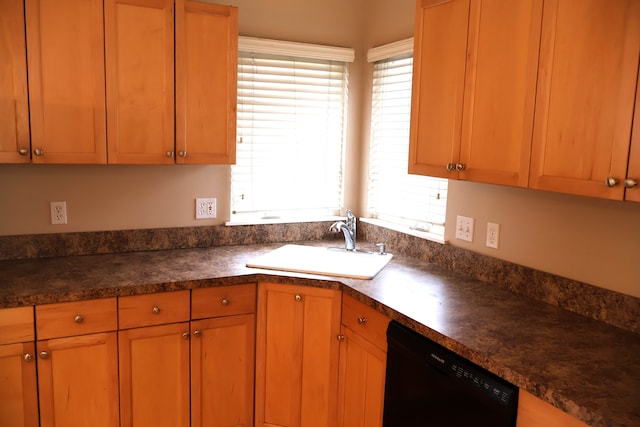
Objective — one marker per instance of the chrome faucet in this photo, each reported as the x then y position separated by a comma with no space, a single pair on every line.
348,229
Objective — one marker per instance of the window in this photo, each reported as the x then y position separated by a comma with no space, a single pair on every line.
292,102
394,196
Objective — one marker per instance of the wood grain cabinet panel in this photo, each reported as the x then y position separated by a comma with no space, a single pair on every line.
65,51
632,179
297,356
19,393
474,86
363,363
586,91
206,82
15,139
140,80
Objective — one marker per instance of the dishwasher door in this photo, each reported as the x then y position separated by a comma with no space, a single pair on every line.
428,385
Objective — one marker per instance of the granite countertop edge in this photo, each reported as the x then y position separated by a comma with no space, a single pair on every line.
462,314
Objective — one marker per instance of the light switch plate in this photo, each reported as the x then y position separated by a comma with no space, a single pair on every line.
464,228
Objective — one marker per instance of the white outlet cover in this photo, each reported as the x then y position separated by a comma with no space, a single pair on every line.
493,235
58,213
205,208
464,228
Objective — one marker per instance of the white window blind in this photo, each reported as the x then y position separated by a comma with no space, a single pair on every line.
291,127
395,196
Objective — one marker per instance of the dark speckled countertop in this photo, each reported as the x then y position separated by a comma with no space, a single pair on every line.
586,367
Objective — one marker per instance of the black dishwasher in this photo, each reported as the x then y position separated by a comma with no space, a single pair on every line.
428,385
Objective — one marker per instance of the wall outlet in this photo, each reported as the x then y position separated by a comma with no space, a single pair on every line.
493,235
58,212
205,208
464,228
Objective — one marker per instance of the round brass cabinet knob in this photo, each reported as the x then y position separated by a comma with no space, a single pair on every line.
362,320
611,182
225,301
630,182
79,318
298,298
156,310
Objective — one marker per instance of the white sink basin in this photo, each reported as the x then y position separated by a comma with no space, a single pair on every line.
323,260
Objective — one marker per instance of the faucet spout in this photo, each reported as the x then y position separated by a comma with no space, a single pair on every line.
348,229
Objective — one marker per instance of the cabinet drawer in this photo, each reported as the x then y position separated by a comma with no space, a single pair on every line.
223,301
76,318
16,325
153,309
366,321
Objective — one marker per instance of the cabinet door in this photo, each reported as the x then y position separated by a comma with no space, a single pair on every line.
533,412
154,376
440,51
222,367
78,381
297,356
206,82
14,106
504,40
632,183
65,45
586,89
362,375
140,81
18,394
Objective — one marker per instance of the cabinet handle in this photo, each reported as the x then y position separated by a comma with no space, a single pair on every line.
340,337
460,167
44,355
23,151
611,181
451,167
38,151
156,310
225,301
630,182
28,357
197,333
170,154
182,153
298,298
362,320
185,335
79,318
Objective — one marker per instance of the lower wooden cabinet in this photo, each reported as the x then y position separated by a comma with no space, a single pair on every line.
78,364
534,412
154,360
223,356
363,363
297,356
18,393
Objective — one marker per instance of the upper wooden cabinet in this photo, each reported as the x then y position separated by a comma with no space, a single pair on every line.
632,180
65,41
206,82
474,83
14,104
586,88
140,81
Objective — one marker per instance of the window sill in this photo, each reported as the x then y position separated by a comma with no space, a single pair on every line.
406,230
257,221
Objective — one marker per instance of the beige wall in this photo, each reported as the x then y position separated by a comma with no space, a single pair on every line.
595,241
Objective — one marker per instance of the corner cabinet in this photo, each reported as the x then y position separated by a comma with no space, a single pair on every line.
65,50
474,89
141,84
586,92
18,394
14,104
363,362
297,356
